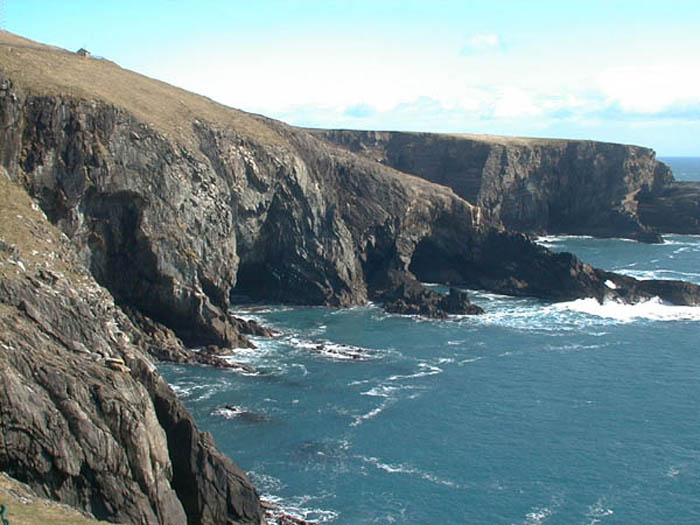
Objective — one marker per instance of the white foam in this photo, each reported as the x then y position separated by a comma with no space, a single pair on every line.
407,469
574,347
304,370
661,273
682,240
180,391
559,238
598,511
470,360
278,510
381,391
205,391
372,413
330,349
654,309
266,482
538,515
264,358
359,382
229,412
426,370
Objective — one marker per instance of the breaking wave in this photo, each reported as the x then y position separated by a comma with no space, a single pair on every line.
654,310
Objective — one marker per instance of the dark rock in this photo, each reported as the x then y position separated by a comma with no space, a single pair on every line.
85,418
457,302
673,208
533,185
629,290
252,327
401,293
175,203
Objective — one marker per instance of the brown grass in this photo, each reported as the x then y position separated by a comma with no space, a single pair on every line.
23,225
46,70
25,508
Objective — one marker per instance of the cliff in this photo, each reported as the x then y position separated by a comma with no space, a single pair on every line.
172,207
672,208
539,186
85,418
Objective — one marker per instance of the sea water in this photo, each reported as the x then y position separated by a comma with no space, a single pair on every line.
535,412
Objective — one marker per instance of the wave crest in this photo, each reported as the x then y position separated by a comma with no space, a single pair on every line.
654,310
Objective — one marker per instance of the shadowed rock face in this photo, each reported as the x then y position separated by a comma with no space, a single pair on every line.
172,221
173,204
531,185
85,418
673,208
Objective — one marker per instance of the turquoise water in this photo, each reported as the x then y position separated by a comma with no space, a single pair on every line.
533,413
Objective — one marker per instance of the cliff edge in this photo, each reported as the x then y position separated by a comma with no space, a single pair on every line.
138,197
85,418
537,186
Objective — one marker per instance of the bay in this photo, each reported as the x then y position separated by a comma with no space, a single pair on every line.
533,413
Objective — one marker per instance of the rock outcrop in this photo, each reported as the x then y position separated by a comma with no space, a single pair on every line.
536,186
672,208
402,293
85,418
174,205
173,201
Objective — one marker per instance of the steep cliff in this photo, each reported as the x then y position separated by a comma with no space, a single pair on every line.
531,185
175,205
672,208
198,200
85,418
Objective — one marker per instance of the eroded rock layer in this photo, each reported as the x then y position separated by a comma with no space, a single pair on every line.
532,185
177,206
85,418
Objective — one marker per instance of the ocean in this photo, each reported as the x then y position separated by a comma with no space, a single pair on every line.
532,413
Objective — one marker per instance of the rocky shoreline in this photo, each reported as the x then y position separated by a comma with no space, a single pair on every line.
543,186
132,224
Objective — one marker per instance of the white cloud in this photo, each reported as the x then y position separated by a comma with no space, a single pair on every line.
513,102
652,88
482,42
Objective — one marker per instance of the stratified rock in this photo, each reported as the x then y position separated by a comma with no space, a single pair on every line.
536,186
176,204
673,208
85,418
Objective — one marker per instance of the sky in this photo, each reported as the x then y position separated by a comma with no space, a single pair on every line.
620,71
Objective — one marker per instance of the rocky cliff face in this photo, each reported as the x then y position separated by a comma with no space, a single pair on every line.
85,418
531,185
672,208
173,202
175,205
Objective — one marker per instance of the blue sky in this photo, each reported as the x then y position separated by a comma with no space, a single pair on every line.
622,71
